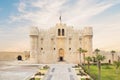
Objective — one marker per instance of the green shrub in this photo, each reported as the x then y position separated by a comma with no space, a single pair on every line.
32,79
106,67
82,78
37,78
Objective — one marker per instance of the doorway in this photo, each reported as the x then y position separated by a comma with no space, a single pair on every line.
61,54
19,57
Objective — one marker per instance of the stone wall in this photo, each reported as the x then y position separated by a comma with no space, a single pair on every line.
11,56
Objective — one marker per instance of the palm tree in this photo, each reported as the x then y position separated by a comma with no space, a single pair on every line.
117,65
97,51
84,51
80,51
88,59
112,52
99,58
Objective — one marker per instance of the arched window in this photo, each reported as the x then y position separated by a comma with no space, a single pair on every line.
63,32
59,32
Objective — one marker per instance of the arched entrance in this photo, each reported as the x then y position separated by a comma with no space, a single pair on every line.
61,54
19,57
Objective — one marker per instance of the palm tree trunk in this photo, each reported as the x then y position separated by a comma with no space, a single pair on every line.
84,58
80,58
88,67
112,57
99,70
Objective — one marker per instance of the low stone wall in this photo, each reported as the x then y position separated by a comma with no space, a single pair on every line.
11,56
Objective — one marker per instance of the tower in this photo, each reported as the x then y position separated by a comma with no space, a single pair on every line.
87,40
34,34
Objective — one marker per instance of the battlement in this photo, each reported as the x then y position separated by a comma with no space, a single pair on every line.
88,31
60,25
34,31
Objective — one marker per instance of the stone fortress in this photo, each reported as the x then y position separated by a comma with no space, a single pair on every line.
59,43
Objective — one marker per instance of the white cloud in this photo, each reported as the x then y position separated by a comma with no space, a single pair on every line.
45,14
48,11
21,7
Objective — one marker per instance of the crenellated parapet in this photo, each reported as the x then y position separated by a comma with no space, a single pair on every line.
87,40
34,31
88,31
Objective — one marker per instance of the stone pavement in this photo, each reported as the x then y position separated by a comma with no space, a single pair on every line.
16,72
61,72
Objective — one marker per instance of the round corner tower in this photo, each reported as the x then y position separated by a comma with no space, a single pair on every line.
34,34
87,37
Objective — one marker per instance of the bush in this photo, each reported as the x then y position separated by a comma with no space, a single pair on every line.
45,67
82,78
106,67
32,78
38,73
37,78
86,79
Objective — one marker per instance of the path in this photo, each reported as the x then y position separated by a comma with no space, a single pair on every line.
16,72
61,72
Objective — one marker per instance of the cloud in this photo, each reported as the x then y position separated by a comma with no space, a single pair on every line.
21,7
47,12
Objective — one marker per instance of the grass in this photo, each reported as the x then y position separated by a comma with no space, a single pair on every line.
37,79
108,72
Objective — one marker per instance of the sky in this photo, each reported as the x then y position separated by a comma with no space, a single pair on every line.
17,16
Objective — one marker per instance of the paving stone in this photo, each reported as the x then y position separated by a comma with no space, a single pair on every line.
61,72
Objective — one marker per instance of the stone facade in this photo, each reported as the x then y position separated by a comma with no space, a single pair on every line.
59,43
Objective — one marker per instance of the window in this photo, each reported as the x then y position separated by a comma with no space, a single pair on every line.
80,39
41,40
63,32
69,48
59,32
70,40
41,48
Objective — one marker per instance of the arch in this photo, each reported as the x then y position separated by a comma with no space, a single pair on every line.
19,57
61,54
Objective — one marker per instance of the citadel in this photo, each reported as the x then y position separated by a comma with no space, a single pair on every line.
59,43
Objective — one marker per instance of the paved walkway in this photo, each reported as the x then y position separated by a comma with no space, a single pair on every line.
61,72
16,72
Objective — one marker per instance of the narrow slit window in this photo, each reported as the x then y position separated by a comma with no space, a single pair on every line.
63,32
69,48
59,32
41,48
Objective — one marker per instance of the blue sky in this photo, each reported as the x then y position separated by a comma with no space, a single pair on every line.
17,16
